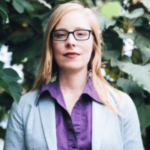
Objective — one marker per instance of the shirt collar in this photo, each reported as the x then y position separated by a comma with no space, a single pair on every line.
54,90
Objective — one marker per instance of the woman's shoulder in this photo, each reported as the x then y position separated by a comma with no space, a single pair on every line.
21,109
120,99
29,99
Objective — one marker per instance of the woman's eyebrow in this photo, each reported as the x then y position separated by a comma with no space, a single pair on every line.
81,28
61,29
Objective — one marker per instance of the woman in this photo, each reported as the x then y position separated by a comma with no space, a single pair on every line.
75,111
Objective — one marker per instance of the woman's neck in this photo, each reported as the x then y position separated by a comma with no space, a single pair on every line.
75,81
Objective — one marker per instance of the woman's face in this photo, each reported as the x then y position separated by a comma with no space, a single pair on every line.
72,54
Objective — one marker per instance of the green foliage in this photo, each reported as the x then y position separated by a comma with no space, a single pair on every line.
118,22
4,11
107,55
21,5
2,131
144,116
8,78
136,56
132,89
135,13
130,74
112,9
135,71
107,22
145,54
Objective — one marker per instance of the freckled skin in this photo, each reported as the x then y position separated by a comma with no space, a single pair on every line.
72,21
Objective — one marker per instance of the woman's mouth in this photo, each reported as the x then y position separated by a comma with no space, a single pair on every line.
71,55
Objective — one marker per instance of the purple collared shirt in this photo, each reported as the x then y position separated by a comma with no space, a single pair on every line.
73,132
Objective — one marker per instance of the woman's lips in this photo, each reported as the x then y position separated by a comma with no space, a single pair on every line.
71,55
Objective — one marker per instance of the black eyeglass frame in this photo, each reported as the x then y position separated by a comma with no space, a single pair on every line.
73,34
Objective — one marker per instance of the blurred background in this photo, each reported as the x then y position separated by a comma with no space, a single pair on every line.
125,39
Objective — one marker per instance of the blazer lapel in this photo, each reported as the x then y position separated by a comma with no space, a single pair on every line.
99,114
47,111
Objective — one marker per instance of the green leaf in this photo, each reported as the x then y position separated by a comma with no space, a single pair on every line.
141,39
112,9
147,16
132,89
21,5
1,64
1,74
136,56
124,35
6,100
135,13
107,55
29,50
137,98
103,21
139,74
34,48
10,75
4,84
15,90
21,37
26,4
44,24
125,58
2,112
129,86
18,7
144,116
12,88
3,132
138,22
112,41
4,15
3,5
111,72
32,69
145,53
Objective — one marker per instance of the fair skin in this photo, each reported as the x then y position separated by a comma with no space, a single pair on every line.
73,71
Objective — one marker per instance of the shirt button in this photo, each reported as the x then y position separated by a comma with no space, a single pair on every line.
73,146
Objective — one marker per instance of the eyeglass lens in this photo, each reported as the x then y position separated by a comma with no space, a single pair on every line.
63,35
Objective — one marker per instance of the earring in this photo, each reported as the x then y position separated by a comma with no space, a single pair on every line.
53,77
89,73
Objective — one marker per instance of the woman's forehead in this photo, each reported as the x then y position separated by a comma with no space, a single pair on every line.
73,20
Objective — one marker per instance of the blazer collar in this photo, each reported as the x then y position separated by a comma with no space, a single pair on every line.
99,115
47,112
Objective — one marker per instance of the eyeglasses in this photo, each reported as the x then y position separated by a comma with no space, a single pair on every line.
80,35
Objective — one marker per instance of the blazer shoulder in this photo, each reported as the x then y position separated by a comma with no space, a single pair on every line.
119,98
29,98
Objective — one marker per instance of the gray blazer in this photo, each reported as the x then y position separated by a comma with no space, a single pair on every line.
34,128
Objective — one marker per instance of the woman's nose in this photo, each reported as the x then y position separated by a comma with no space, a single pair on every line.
71,41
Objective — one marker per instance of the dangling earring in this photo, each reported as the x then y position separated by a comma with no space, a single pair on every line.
53,77
89,73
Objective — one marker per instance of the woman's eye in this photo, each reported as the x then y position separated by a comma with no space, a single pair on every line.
81,34
60,35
